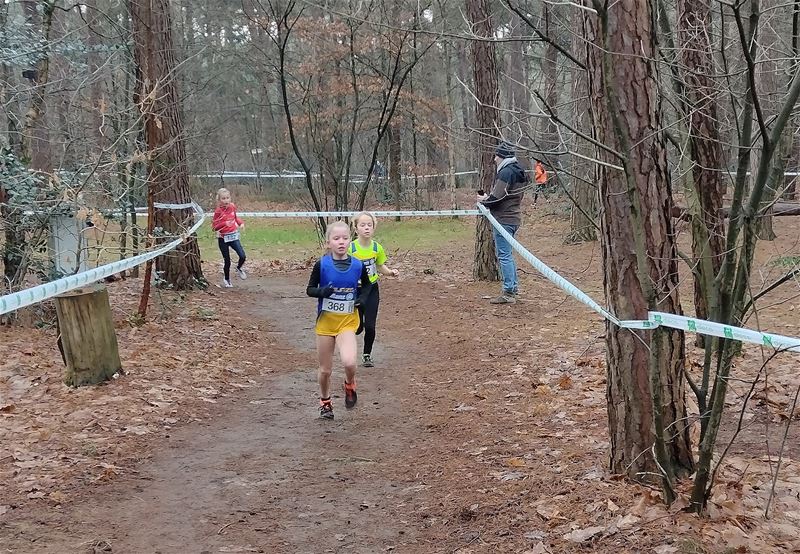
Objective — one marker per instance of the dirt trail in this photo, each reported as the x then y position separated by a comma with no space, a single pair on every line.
483,430
266,476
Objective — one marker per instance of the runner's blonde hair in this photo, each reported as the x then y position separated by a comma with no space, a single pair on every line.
222,191
357,218
335,224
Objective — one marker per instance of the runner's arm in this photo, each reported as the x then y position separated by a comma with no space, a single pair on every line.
365,288
313,289
383,270
216,221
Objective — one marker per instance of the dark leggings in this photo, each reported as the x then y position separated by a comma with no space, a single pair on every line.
224,247
371,317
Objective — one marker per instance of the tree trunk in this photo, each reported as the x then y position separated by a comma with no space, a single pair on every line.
168,176
464,70
35,141
582,225
86,332
770,93
518,92
548,133
583,214
97,94
8,94
450,125
395,151
705,148
484,66
12,218
645,395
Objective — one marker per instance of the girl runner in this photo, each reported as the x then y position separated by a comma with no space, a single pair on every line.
341,283
227,226
373,256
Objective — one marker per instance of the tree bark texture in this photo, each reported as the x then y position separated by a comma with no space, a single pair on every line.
548,138
87,334
450,125
517,90
484,68
14,238
158,100
694,26
584,212
639,254
35,139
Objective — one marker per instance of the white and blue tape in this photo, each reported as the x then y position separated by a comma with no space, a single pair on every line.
39,293
546,270
45,291
408,213
655,319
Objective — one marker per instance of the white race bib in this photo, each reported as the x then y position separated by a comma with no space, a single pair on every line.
338,306
372,267
230,237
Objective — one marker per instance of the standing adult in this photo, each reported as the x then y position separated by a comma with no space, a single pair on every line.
504,202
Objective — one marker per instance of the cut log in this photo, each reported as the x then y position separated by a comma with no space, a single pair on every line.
88,337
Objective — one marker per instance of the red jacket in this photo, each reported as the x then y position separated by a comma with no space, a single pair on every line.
225,219
540,175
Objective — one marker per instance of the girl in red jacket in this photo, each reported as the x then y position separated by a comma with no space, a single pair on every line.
227,226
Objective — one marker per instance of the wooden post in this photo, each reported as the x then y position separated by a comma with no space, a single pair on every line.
87,335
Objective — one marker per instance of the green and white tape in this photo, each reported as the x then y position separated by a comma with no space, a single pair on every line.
655,319
42,292
703,327
39,293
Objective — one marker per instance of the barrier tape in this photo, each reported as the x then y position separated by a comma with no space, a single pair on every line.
408,213
654,319
39,293
546,270
703,327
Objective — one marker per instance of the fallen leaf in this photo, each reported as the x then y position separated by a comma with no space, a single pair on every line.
538,548
565,382
339,537
8,408
735,537
58,497
612,507
36,494
625,523
665,549
547,512
463,408
642,504
583,535
516,462
3,509
535,535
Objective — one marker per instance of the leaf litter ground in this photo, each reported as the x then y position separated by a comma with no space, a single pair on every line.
482,428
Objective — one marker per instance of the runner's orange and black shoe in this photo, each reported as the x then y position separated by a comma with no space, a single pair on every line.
350,396
325,409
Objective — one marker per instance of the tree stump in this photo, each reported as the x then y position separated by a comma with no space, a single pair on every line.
87,335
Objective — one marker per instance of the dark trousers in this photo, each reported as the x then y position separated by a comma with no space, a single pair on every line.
371,317
225,247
